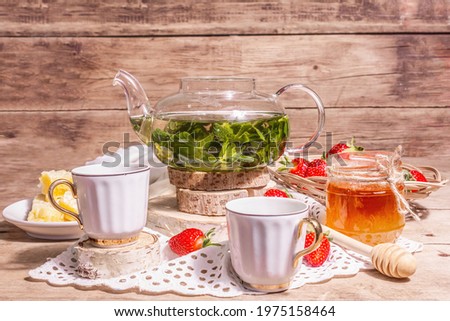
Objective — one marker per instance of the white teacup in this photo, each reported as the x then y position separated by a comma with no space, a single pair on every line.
267,237
112,202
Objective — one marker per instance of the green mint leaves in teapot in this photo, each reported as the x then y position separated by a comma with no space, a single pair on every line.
214,123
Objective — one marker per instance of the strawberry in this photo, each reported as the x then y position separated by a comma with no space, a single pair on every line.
417,176
300,167
317,168
299,160
337,148
319,256
344,147
190,240
274,192
317,162
413,175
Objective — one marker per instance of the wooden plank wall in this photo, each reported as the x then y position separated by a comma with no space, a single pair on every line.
382,68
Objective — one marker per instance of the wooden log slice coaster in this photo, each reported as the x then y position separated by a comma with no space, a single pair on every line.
211,203
219,181
94,262
164,217
206,203
114,243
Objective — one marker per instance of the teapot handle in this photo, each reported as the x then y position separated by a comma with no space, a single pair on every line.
320,118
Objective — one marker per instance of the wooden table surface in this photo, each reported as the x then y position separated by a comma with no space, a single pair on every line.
20,253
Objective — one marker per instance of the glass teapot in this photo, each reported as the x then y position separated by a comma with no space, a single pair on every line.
214,123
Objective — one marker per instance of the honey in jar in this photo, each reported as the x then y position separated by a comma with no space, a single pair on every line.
361,202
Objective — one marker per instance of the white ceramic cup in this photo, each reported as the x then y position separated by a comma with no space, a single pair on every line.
267,237
112,202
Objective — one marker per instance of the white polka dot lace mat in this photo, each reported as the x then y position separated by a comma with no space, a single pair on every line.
204,272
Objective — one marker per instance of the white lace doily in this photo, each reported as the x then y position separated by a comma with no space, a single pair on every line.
204,272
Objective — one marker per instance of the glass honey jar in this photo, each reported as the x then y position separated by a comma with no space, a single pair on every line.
364,191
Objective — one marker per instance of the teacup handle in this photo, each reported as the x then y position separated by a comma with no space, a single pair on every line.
59,207
318,238
320,116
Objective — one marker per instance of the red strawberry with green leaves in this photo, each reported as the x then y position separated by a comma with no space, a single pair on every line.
190,240
300,167
275,192
319,256
414,175
299,160
344,147
317,167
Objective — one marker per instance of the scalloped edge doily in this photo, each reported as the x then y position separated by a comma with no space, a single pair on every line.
206,271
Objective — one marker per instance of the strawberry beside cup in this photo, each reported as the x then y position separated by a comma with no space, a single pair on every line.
190,240
319,256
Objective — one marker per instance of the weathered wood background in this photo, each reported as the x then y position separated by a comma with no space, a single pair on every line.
382,69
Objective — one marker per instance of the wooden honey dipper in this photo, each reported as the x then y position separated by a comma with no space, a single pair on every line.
388,258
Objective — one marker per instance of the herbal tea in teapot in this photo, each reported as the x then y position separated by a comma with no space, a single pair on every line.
189,141
214,123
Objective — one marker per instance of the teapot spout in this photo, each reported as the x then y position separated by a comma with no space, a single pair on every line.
139,108
137,101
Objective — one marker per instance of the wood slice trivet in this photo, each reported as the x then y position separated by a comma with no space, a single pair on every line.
206,203
211,203
219,181
164,217
94,262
